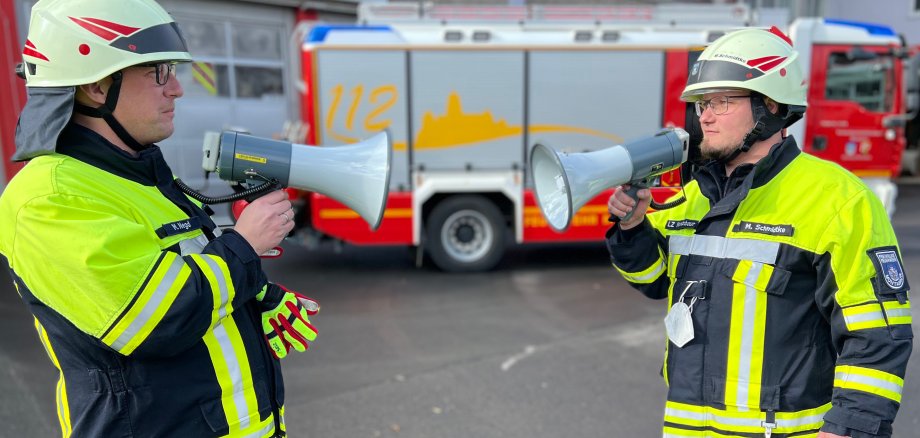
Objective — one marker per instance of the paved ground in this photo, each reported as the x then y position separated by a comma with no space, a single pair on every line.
552,344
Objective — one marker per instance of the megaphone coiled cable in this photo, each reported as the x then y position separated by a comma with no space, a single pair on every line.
671,204
251,192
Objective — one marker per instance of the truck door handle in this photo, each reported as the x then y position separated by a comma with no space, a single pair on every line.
819,143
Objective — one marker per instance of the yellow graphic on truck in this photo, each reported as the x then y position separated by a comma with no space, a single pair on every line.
454,128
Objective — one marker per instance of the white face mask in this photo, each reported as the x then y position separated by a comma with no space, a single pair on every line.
679,322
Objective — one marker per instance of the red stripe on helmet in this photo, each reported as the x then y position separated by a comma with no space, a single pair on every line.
766,63
34,53
758,61
98,31
119,28
29,44
770,65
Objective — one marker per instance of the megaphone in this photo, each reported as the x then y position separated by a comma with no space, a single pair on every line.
565,182
357,175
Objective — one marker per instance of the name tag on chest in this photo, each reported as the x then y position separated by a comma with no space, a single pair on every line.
770,229
179,227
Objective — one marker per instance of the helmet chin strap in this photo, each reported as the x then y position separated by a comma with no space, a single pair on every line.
105,110
765,125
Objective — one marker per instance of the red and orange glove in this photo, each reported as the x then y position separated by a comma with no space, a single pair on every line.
285,321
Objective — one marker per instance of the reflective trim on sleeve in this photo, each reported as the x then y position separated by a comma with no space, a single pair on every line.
63,405
898,313
702,417
158,294
724,248
648,275
868,380
863,316
218,274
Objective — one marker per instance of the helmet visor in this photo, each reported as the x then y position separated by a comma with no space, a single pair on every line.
164,37
713,71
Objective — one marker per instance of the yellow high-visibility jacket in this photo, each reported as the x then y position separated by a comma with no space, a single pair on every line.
799,299
143,306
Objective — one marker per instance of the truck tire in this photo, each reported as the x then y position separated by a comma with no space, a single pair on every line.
465,234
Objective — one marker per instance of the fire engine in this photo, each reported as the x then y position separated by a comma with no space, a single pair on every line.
466,91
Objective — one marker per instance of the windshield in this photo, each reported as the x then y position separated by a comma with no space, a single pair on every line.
867,80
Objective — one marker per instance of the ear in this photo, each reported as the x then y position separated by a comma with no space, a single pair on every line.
772,106
93,94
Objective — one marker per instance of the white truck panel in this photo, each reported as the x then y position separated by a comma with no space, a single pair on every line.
467,109
360,93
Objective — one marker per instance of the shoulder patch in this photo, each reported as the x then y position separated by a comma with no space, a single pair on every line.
888,267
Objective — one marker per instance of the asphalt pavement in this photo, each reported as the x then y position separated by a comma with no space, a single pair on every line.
551,344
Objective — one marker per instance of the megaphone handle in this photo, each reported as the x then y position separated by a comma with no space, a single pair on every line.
633,192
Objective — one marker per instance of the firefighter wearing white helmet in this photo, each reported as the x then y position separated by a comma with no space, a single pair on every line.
160,324
765,67
787,302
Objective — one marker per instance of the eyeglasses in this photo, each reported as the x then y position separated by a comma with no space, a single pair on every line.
718,105
163,71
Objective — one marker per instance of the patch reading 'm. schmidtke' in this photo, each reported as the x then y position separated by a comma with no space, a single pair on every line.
771,229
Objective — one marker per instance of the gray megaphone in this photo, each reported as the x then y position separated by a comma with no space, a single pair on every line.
565,182
357,175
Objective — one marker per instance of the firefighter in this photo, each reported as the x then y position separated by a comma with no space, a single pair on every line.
161,325
788,302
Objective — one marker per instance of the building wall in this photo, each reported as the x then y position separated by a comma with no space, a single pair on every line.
902,15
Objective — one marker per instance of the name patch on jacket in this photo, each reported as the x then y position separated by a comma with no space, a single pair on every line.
888,268
771,229
681,224
179,227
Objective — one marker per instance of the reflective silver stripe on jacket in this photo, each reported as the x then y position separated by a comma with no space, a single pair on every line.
724,248
722,417
869,381
193,246
236,374
749,325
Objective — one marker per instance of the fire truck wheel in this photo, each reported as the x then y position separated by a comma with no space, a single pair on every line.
465,234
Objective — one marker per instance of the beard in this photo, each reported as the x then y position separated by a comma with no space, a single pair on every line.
710,152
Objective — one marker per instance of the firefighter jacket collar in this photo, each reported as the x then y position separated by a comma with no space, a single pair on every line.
148,168
711,177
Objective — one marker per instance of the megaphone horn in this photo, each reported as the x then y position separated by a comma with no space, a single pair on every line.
565,182
357,175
